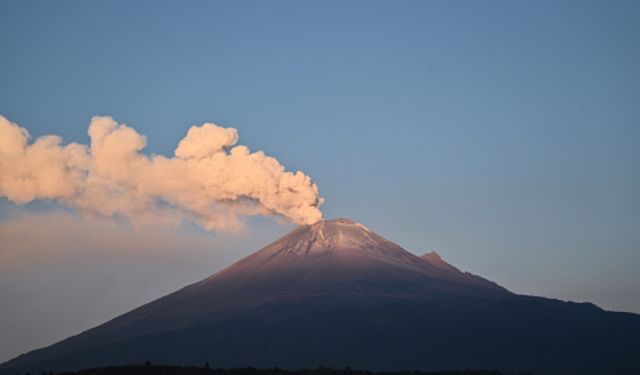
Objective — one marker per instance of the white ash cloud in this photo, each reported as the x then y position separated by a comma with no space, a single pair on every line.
210,180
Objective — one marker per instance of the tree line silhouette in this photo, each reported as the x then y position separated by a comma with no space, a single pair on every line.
149,369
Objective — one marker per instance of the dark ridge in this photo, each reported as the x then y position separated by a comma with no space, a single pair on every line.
149,369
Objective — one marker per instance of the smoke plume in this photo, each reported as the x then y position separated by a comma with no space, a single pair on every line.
210,180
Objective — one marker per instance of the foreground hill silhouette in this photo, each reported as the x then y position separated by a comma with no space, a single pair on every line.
336,294
149,369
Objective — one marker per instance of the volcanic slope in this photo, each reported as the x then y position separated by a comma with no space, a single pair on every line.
337,294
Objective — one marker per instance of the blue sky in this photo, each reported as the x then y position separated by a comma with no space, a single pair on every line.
504,135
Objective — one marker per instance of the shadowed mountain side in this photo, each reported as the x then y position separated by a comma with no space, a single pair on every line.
337,294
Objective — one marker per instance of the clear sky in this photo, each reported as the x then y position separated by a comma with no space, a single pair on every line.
505,135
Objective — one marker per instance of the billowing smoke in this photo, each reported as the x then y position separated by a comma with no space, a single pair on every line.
210,180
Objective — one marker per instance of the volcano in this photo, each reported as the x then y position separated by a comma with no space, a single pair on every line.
337,294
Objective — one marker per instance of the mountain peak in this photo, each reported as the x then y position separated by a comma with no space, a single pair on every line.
340,257
338,224
339,234
329,252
